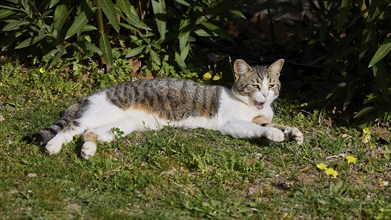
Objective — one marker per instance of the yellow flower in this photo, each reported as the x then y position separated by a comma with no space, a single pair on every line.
321,166
304,104
366,131
366,138
331,172
218,76
351,159
207,76
42,70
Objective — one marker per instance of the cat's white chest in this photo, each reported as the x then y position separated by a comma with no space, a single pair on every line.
232,109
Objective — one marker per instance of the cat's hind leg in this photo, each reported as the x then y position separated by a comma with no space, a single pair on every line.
90,140
104,134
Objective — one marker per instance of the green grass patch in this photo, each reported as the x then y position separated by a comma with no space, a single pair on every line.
175,173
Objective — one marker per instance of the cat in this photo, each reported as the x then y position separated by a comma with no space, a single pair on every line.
243,111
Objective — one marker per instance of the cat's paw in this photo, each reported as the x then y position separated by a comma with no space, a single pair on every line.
53,147
291,132
275,134
88,150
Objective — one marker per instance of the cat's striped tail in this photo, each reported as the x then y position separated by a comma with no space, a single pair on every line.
45,135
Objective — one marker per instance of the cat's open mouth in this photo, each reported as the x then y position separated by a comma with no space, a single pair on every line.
259,105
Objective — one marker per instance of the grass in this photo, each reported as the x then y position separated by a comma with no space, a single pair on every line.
179,174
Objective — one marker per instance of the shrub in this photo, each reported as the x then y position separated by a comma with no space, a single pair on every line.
354,35
155,30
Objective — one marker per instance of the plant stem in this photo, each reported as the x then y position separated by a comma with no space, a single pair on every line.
101,27
272,34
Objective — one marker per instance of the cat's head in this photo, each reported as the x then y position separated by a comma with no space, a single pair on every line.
257,85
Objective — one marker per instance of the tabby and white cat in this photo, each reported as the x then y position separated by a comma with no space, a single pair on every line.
244,111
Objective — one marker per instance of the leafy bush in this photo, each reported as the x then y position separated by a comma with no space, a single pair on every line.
354,35
157,30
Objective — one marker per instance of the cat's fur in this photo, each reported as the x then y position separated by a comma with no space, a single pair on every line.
244,111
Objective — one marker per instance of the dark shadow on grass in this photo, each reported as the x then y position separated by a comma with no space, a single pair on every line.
77,143
34,139
260,142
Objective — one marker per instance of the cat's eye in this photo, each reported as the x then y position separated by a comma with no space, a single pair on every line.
256,87
271,85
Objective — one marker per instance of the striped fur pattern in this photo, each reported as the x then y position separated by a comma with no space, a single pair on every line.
171,99
243,111
69,119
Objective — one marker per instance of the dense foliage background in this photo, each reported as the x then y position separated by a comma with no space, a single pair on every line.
349,41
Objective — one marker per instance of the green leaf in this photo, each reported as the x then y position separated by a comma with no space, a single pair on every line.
109,10
185,33
203,33
155,58
364,111
217,31
184,25
179,61
135,51
343,14
183,2
238,13
185,28
105,47
60,13
88,47
60,52
381,52
25,161
89,27
16,8
129,27
28,42
133,20
185,52
160,13
14,25
125,7
5,13
183,40
200,20
80,21
53,3
381,79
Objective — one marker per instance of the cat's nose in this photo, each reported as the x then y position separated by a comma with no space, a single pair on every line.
265,93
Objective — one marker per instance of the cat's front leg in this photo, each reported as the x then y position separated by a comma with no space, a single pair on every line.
243,129
290,132
295,133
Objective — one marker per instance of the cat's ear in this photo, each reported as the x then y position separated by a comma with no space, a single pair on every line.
276,67
240,67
